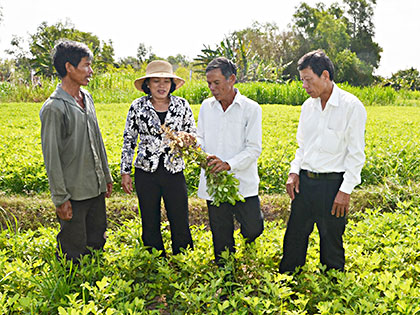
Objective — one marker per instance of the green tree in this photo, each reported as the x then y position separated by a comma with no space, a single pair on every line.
307,32
105,57
330,35
233,48
145,54
142,52
133,62
349,68
43,41
256,50
338,32
21,60
362,30
178,61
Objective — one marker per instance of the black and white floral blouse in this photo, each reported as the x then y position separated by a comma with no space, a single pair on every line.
143,122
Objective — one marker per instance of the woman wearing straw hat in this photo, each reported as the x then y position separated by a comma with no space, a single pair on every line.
158,172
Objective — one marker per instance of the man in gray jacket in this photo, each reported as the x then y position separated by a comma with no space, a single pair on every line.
74,154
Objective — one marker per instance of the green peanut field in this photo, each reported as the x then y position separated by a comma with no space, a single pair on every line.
382,238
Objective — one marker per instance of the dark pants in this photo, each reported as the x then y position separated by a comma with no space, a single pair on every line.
313,205
86,228
247,213
150,188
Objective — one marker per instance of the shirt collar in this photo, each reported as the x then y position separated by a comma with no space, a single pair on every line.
334,97
236,100
332,101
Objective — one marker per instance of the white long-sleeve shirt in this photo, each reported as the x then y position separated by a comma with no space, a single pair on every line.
332,140
234,136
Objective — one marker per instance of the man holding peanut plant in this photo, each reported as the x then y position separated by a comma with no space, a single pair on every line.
74,154
229,130
326,167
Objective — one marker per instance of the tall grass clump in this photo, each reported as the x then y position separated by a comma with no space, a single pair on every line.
114,86
372,95
409,95
117,86
290,93
23,92
195,92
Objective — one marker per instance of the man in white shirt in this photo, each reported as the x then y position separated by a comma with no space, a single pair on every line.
326,167
229,130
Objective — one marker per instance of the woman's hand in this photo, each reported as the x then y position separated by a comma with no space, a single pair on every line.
187,138
127,183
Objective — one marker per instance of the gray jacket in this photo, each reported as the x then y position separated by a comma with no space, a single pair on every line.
73,149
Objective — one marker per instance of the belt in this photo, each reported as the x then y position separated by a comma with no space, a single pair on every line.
313,175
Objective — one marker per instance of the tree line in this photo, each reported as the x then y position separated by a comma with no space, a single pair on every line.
345,31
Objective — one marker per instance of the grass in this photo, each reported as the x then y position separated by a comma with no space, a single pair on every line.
381,239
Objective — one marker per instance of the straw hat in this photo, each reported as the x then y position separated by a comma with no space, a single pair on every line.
159,69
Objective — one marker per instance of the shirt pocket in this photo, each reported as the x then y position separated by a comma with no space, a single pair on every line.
332,141
337,120
234,135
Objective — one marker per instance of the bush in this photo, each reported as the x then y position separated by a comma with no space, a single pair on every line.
405,79
117,86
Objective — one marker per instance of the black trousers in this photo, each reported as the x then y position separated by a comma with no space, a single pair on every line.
85,230
247,213
311,206
150,188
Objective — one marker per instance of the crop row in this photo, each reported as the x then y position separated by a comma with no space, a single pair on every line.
392,146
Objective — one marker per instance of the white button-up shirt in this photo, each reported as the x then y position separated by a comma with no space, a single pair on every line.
234,136
332,140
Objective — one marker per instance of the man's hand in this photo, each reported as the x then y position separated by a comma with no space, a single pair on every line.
341,204
218,164
108,190
65,211
292,185
127,183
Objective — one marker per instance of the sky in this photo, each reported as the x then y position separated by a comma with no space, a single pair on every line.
185,26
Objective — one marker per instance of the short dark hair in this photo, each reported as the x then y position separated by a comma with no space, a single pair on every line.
318,61
69,51
146,89
225,65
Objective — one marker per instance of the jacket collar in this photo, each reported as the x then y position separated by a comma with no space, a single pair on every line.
59,93
148,103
